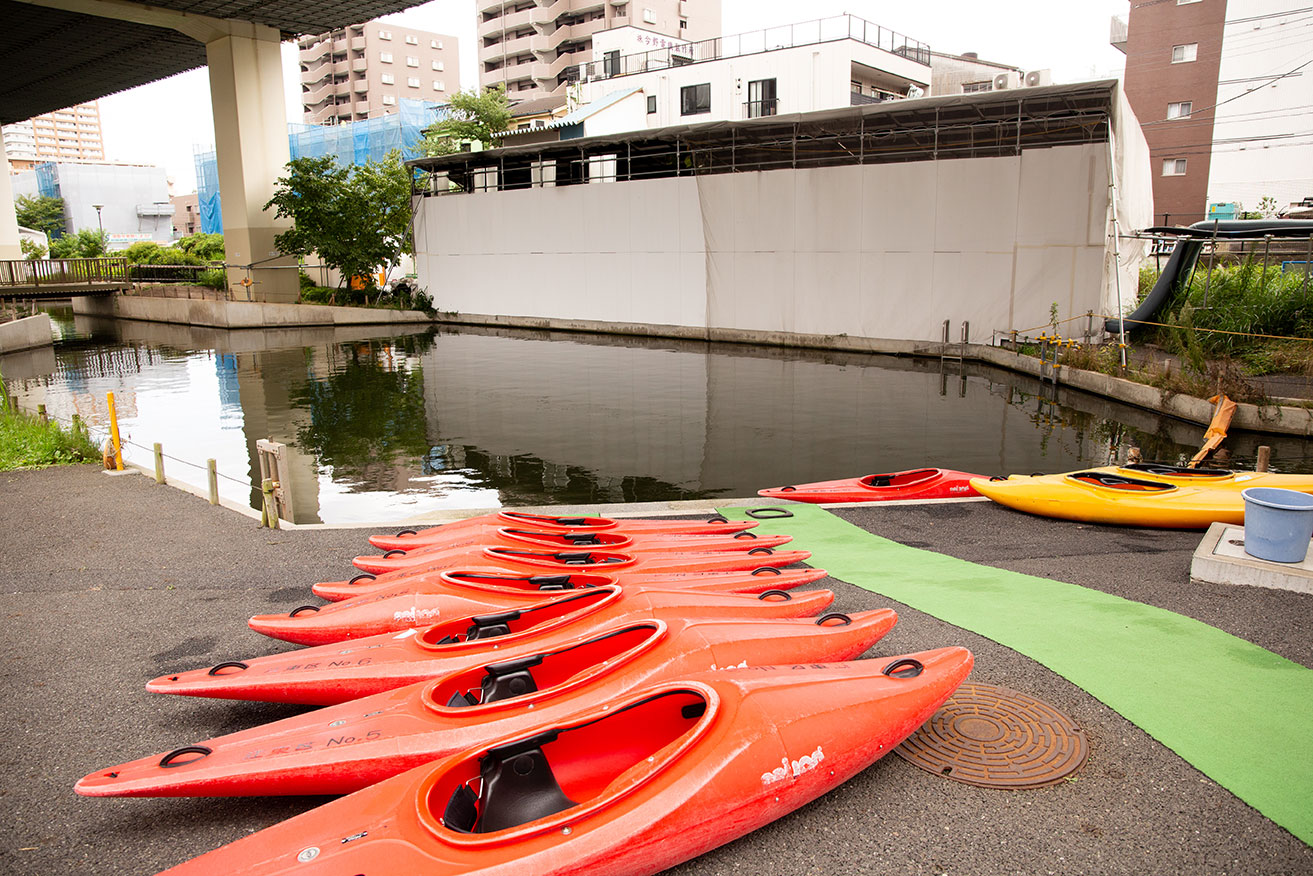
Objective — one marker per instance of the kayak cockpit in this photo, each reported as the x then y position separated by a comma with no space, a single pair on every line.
579,767
515,622
543,674
899,479
1158,469
525,583
1120,483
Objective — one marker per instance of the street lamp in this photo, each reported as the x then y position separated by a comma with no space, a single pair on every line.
98,222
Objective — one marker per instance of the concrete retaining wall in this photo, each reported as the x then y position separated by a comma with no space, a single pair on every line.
239,314
26,333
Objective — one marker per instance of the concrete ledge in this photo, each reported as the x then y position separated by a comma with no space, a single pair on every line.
26,333
240,314
1221,559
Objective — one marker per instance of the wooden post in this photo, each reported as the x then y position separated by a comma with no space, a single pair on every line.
13,403
274,466
159,463
213,472
269,516
1264,458
41,414
114,432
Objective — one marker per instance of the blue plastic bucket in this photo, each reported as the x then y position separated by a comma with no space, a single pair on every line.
1278,524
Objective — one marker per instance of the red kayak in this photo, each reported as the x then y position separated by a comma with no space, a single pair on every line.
342,671
460,529
340,749
627,788
921,483
455,594
559,562
437,557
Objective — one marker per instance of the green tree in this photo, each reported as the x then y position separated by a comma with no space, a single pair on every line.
86,244
472,116
31,249
207,247
356,218
41,213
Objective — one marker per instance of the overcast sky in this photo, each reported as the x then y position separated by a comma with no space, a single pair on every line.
1070,37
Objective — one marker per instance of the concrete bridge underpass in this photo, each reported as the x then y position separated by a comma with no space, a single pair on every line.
57,53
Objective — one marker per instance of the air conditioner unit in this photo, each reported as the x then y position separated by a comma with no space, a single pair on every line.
1002,82
1039,77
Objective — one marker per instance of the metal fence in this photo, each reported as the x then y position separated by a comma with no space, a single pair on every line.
63,272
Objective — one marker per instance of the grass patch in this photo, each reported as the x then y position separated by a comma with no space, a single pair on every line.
26,442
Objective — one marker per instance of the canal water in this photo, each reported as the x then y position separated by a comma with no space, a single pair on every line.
384,427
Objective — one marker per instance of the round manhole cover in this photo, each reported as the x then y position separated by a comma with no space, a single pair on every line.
997,738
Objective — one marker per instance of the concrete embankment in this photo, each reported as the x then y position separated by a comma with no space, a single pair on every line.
239,314
26,333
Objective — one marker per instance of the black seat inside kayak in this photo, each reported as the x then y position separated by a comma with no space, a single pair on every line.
486,626
501,681
518,787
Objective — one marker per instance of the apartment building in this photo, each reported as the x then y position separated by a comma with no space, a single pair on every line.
535,46
71,134
363,71
1222,92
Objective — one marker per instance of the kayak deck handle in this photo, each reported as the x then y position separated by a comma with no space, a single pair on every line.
231,664
300,608
760,551
765,570
406,532
834,615
718,518
170,760
905,668
786,594
769,513
395,552
363,576
745,535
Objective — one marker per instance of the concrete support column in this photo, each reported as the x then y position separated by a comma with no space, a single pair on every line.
9,248
250,135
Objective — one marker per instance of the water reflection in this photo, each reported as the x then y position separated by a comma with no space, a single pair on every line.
386,427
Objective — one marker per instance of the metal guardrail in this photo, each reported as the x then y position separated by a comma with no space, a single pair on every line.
807,33
171,273
62,272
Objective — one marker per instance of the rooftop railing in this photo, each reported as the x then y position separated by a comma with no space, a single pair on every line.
807,33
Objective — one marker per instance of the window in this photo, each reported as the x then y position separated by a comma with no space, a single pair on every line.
683,24
1184,54
412,40
856,87
435,44
761,98
389,79
439,66
389,100
649,16
695,99
1179,110
651,103
1185,2
611,63
385,57
439,85
413,82
412,62
976,87
385,34
1174,167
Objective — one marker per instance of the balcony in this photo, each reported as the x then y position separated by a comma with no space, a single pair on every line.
755,109
359,65
362,107
512,21
358,44
1118,33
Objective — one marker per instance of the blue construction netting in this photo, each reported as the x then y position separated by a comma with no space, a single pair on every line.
47,181
349,143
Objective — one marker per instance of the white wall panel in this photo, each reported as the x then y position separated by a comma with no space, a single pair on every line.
976,204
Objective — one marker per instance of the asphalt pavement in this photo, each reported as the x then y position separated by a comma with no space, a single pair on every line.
111,581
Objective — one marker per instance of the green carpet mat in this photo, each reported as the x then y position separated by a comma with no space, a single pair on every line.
1237,712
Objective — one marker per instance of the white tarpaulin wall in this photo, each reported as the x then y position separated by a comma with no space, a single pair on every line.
882,251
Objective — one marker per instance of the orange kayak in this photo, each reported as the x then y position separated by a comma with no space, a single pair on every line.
398,559
627,788
559,562
921,483
426,601
460,529
342,671
342,748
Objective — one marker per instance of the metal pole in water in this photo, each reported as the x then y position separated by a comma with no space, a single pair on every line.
159,463
212,471
114,432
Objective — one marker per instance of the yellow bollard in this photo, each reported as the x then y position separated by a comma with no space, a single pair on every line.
114,432
159,463
214,481
269,517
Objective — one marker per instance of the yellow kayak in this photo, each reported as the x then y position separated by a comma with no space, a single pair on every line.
1142,495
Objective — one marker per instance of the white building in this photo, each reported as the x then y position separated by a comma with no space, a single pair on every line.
133,199
1262,143
824,64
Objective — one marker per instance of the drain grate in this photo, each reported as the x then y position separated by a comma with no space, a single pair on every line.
997,738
